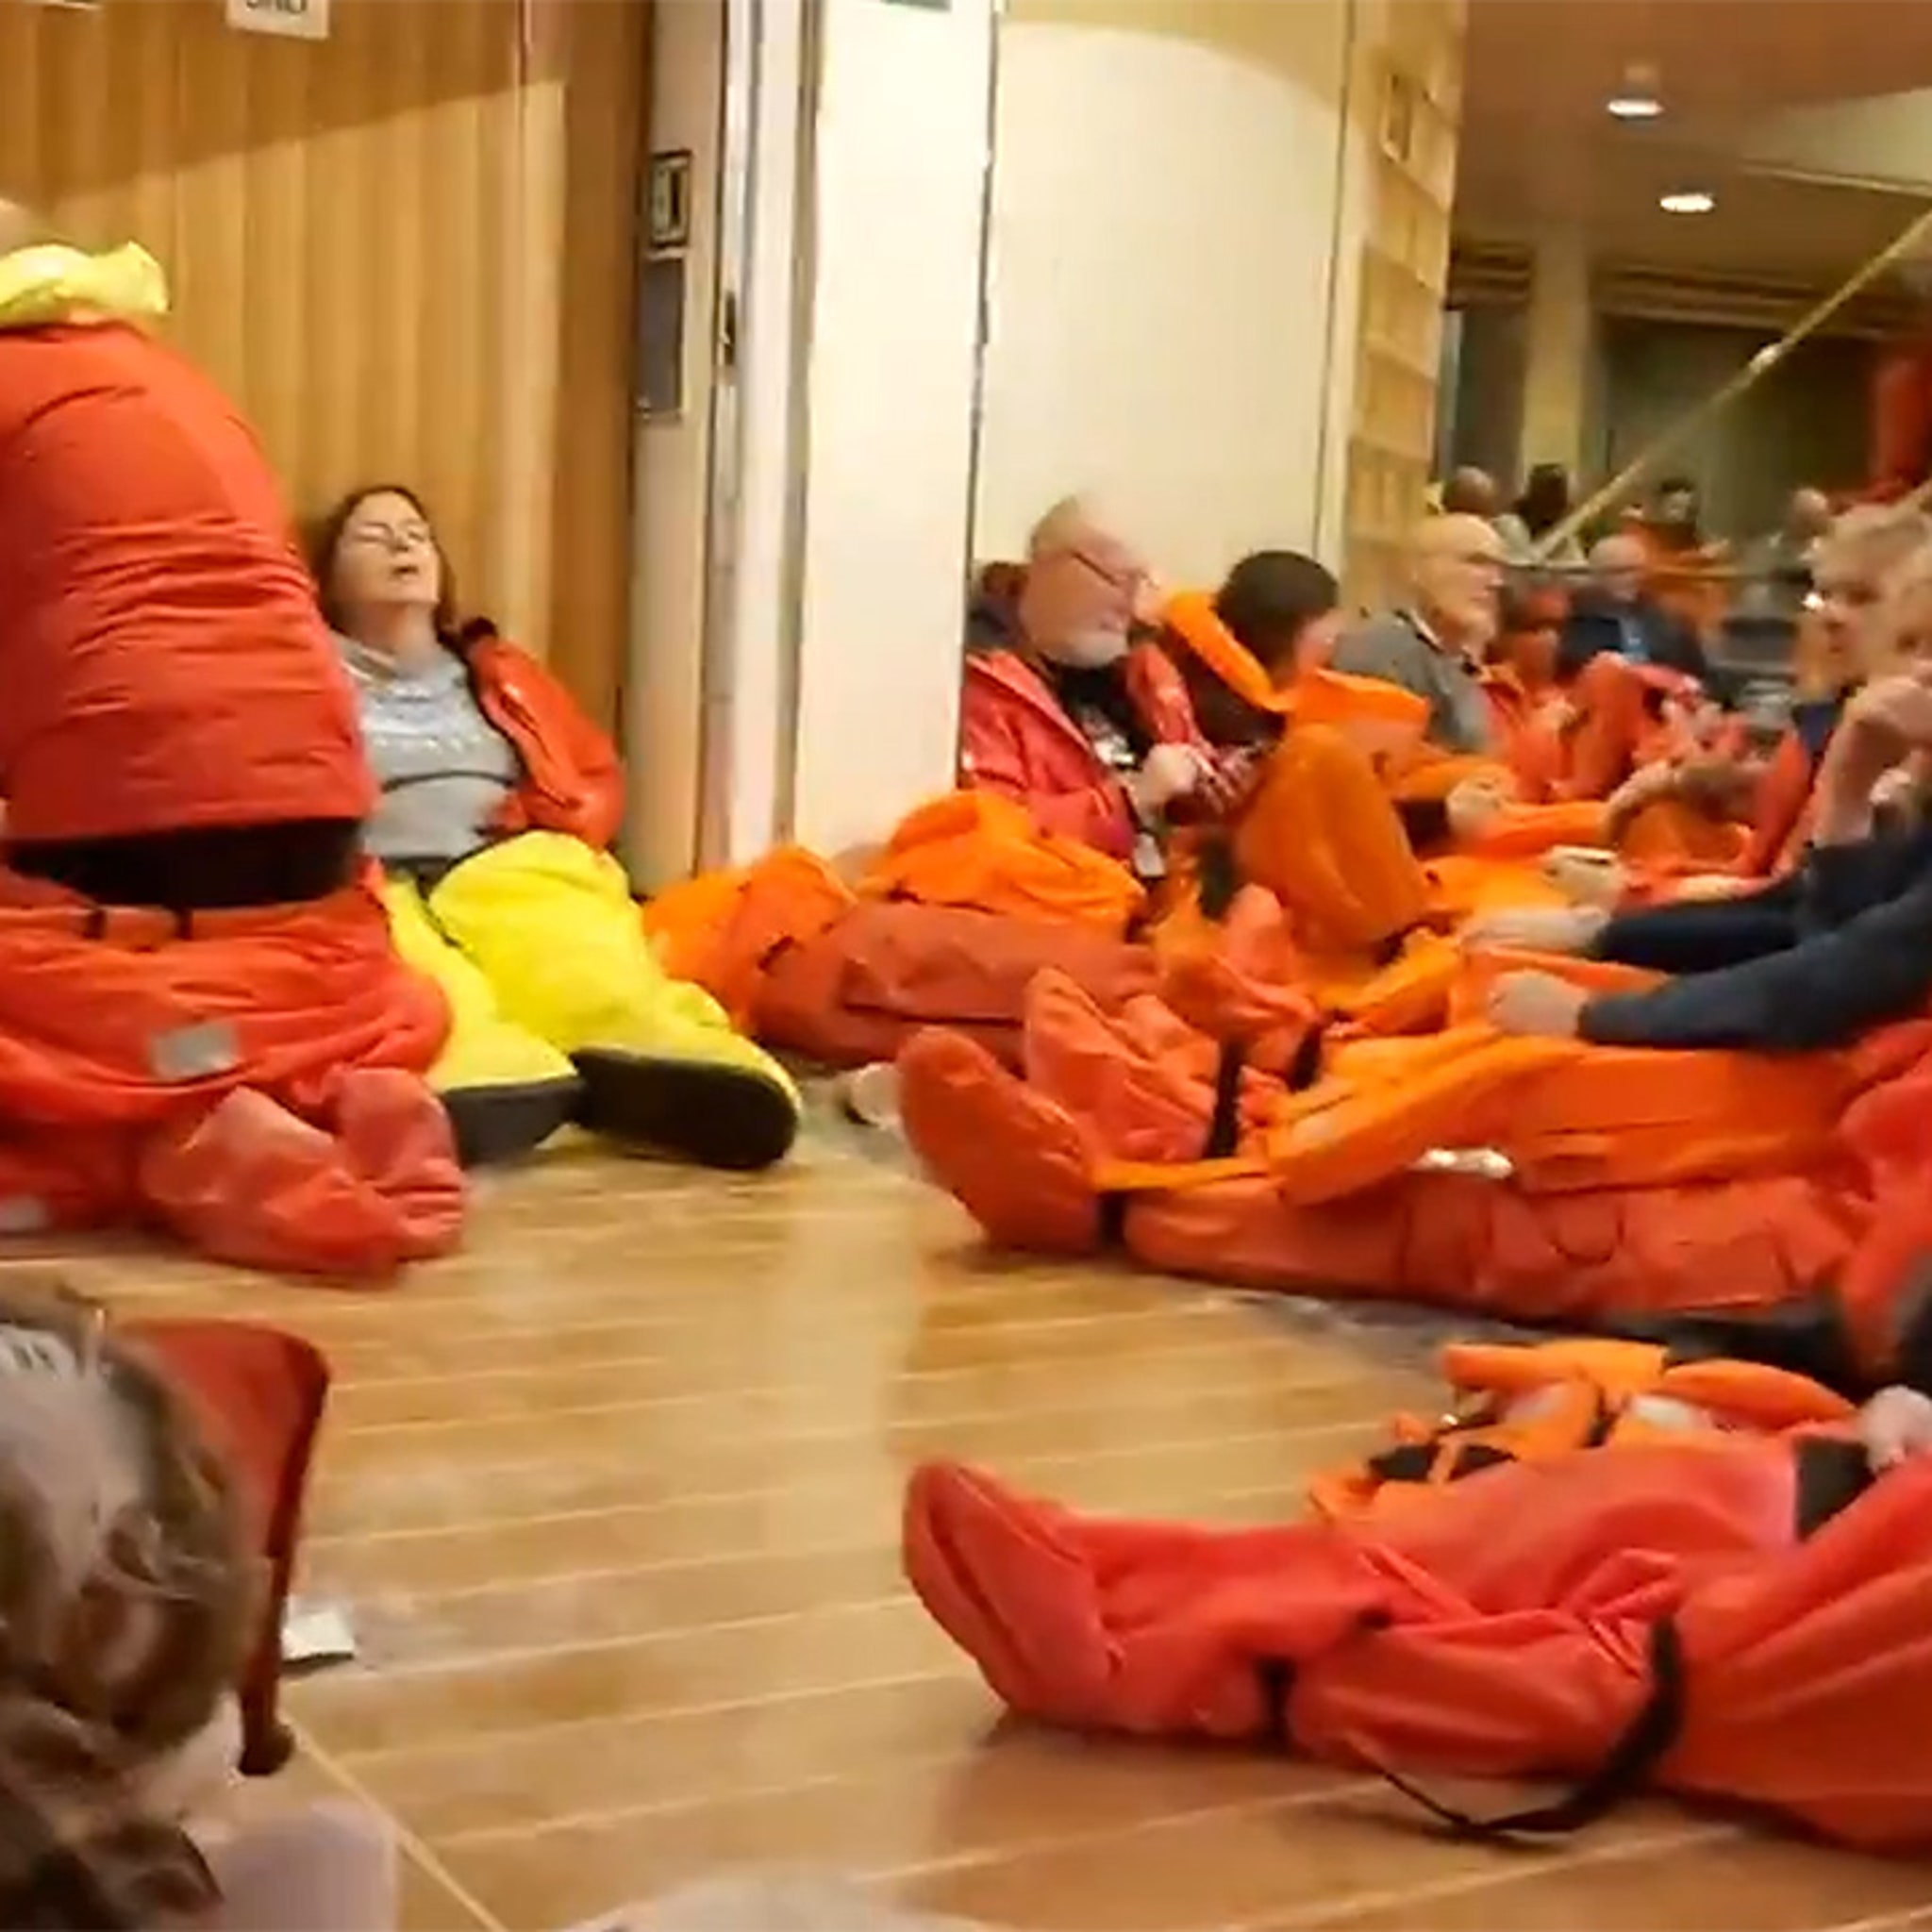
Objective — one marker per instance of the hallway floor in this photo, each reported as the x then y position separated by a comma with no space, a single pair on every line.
613,1499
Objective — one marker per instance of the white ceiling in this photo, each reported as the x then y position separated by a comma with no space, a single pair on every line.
1539,149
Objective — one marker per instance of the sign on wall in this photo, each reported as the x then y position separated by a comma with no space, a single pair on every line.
295,20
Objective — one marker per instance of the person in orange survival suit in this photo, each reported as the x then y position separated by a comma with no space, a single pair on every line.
1723,1160
1840,949
201,1015
1844,638
498,798
1088,730
1734,1616
1460,793
1313,824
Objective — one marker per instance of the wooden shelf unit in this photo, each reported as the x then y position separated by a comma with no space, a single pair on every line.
1406,99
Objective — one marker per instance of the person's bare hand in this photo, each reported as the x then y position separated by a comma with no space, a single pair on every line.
1713,885
1895,1426
1644,787
1475,804
1897,796
1169,772
1537,1004
1587,875
1884,723
1228,781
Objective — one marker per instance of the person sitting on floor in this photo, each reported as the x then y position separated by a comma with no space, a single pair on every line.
1616,613
1544,504
1285,611
1843,947
1433,643
1089,731
1843,639
202,1019
1686,573
499,799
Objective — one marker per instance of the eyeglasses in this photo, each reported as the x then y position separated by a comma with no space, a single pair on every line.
1127,580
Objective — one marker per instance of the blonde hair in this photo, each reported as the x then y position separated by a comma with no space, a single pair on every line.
1888,533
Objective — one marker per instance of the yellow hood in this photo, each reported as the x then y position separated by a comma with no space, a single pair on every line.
51,282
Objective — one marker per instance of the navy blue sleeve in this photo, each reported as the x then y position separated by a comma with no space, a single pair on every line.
1842,881
1702,935
1824,991
1580,640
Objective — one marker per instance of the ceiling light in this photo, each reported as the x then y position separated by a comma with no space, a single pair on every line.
1634,106
1693,203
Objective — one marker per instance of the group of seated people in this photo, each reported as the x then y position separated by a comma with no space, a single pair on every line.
1678,1098
1470,951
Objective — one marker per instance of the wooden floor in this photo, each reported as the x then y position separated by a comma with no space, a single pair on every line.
614,1497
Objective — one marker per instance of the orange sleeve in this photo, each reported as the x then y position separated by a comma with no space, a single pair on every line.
583,752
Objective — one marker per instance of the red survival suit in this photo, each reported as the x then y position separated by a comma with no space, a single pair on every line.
1719,1602
250,1077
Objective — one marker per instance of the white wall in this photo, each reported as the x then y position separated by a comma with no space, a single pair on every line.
901,160
1164,221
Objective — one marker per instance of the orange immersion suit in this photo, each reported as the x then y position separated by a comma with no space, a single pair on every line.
1539,1179
946,926
1719,1612
250,1077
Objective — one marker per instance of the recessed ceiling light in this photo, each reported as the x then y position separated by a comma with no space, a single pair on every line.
1634,106
1694,203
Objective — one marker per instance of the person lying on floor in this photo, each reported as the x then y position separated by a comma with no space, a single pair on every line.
1088,729
497,800
1846,947
1726,1612
202,1020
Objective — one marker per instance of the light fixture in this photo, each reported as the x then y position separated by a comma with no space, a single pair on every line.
1693,202
1634,106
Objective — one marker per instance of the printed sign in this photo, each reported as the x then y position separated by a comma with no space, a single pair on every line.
295,20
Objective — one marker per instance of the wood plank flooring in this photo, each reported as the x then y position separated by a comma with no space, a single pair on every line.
613,1499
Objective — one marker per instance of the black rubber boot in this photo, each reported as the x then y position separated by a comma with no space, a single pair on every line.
495,1123
718,1116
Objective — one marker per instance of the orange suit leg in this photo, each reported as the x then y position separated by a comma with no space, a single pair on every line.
1463,1242
116,1019
1812,1676
1527,1587
255,1082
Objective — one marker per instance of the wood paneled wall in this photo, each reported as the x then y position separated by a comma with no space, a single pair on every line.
406,252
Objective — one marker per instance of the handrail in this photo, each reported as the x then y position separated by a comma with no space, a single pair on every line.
1909,238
